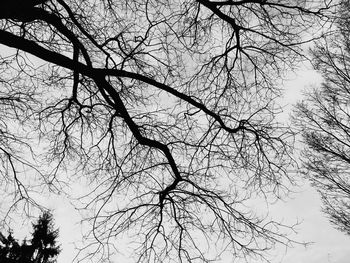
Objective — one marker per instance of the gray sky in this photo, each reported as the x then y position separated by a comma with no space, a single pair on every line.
329,245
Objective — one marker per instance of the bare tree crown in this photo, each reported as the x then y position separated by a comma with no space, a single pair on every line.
166,108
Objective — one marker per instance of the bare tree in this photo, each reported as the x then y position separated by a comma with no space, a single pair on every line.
17,103
167,109
324,117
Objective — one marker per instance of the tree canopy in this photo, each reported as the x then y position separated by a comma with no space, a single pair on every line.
41,248
324,118
166,109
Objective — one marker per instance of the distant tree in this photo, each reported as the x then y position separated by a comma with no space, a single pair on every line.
42,248
324,119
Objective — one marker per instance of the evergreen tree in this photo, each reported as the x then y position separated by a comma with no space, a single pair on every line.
41,249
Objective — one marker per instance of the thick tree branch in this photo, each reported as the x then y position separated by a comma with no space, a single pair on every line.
63,61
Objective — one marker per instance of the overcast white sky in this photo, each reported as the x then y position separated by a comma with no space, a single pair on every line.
330,245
